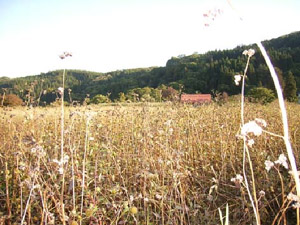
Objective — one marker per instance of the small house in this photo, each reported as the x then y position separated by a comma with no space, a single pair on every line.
195,98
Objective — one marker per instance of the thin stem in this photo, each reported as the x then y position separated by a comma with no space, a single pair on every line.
62,118
253,186
7,194
23,218
242,101
247,184
275,135
73,180
83,168
243,91
254,202
62,150
28,200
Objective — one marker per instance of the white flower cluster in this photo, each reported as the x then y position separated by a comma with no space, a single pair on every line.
295,199
261,122
237,79
268,165
254,127
282,160
262,193
168,125
61,163
249,52
38,151
237,179
60,90
250,142
89,116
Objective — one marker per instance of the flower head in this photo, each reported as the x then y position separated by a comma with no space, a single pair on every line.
61,170
133,210
261,122
249,52
295,199
251,127
89,115
60,90
262,193
65,54
237,79
282,160
237,179
250,142
268,165
62,56
168,123
38,151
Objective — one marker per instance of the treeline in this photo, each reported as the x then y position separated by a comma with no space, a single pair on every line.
212,72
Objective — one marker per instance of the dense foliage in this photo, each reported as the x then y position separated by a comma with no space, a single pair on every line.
261,95
197,73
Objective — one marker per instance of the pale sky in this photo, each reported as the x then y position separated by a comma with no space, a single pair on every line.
108,35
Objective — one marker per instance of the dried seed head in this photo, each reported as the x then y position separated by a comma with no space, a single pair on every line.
65,54
133,210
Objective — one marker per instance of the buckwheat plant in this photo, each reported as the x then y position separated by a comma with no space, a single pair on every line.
247,131
61,92
89,116
285,137
255,128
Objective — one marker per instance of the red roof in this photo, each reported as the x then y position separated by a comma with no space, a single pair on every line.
195,98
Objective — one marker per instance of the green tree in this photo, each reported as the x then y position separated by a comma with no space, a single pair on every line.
290,90
156,94
261,95
100,99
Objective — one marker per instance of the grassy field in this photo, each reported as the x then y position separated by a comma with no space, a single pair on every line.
141,164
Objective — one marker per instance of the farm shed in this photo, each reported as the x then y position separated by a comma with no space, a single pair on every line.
195,98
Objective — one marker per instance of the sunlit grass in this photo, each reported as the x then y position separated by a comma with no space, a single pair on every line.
144,164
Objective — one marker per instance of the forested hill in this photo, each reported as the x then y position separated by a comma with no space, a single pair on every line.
197,73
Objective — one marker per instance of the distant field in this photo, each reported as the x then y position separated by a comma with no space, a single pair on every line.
144,164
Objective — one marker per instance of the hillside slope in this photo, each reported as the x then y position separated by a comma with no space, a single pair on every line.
201,73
